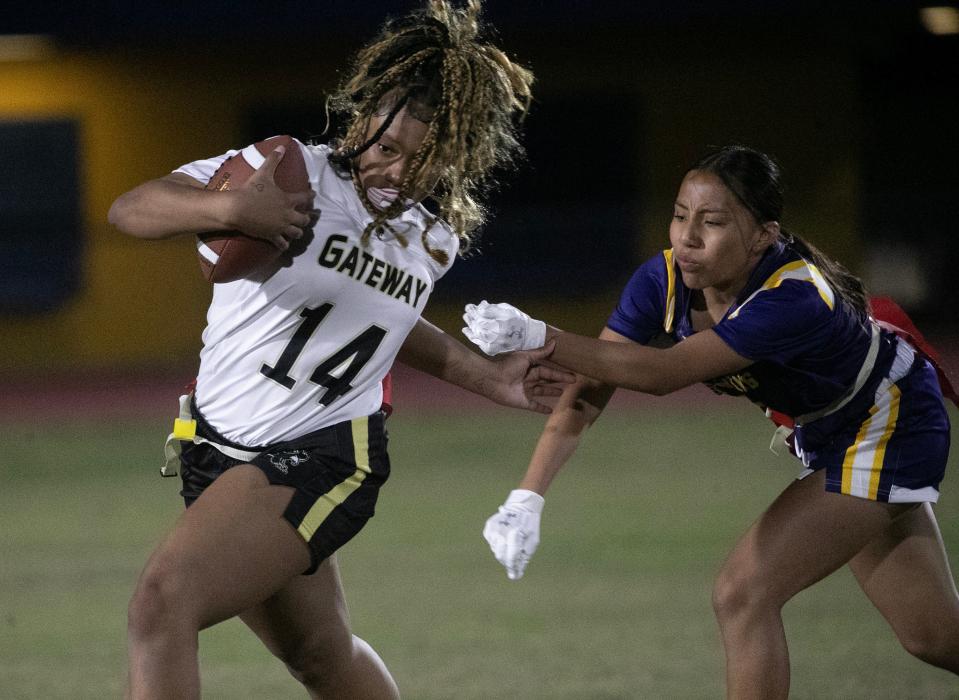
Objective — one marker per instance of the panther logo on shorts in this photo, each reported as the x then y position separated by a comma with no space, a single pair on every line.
283,461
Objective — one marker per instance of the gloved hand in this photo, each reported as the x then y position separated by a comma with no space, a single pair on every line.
513,531
497,328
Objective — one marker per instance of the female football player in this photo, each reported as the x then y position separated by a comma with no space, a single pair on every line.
288,450
739,303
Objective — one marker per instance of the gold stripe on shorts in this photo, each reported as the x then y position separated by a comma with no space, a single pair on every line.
339,493
862,465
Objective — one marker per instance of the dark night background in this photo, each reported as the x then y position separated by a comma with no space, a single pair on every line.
856,100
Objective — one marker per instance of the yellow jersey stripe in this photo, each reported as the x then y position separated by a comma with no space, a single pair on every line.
796,270
339,493
670,291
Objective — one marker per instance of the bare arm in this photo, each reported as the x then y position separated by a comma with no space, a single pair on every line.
511,380
178,205
658,371
513,530
578,408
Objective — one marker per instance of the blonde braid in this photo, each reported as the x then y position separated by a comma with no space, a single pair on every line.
482,95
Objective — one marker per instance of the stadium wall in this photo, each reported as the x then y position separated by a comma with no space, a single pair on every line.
143,111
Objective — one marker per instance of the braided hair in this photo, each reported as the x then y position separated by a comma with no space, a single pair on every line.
755,179
433,63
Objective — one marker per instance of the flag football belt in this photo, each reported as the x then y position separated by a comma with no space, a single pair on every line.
184,430
778,443
864,372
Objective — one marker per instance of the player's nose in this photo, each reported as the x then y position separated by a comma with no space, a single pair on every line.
396,172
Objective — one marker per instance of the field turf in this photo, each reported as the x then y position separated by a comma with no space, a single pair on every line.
616,604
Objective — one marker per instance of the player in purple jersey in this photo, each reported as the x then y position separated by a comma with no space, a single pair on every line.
742,305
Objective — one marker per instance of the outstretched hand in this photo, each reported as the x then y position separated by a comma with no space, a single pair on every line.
519,379
497,328
263,210
513,531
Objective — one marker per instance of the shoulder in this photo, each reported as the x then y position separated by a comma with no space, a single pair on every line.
438,246
655,280
647,305
786,278
321,171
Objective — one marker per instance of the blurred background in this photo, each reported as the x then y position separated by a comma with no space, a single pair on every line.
857,101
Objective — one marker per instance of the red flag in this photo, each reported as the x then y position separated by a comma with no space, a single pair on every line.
890,316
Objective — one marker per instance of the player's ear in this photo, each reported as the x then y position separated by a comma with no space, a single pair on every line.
768,234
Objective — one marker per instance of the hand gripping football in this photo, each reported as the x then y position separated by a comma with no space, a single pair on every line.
227,256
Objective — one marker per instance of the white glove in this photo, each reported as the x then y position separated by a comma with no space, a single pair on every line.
513,531
497,328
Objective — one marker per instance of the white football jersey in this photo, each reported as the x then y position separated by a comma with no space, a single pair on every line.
309,346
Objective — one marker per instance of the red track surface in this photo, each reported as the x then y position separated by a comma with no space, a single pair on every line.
152,394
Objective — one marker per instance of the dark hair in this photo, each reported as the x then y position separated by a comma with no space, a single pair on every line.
755,179
468,92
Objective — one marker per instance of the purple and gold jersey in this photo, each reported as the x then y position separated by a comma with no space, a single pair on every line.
807,344
818,360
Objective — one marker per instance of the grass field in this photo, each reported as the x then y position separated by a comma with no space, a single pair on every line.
615,604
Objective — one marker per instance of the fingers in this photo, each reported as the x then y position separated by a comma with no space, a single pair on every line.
272,160
300,221
493,535
537,407
516,556
472,337
546,390
508,550
542,373
513,532
484,340
543,352
473,311
485,310
302,201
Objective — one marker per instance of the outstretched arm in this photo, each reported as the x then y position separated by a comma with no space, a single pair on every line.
513,380
702,356
658,371
177,205
580,405
513,531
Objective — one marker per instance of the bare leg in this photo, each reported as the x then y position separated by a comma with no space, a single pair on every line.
307,626
804,536
905,573
228,552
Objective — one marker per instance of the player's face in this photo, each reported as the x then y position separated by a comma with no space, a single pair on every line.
384,165
716,240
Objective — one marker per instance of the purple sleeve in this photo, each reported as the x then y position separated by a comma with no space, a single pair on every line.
641,308
778,324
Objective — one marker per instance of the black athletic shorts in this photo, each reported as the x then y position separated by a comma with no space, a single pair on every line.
336,474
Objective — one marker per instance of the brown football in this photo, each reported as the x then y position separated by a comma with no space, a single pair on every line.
227,256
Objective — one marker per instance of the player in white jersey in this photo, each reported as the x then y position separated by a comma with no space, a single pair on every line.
289,450
339,293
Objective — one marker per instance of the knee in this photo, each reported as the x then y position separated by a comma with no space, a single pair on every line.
157,603
740,591
936,644
318,660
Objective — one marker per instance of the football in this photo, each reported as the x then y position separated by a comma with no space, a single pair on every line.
227,256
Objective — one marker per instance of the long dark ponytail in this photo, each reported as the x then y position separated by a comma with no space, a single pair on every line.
755,179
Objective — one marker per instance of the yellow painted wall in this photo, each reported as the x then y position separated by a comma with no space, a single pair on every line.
139,117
